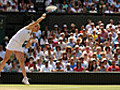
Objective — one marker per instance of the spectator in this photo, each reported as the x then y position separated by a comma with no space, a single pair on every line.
68,69
2,53
78,67
58,67
14,67
46,67
113,67
31,9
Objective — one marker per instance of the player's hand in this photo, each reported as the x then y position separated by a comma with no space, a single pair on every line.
44,15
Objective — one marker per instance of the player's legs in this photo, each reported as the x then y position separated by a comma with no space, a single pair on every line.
21,59
6,58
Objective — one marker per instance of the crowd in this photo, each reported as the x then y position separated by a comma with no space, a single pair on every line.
64,6
93,47
17,6
86,6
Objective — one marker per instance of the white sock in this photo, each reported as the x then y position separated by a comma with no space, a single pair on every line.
25,77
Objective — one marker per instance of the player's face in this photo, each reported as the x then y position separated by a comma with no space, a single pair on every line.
36,28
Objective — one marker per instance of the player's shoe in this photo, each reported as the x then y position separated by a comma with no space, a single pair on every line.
25,81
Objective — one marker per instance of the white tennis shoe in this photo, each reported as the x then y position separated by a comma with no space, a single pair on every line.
25,81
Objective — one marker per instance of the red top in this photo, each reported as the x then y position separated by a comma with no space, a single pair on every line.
78,70
113,68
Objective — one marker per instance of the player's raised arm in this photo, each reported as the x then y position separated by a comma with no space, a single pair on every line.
31,25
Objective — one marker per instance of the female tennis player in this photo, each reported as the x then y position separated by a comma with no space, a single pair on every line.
15,45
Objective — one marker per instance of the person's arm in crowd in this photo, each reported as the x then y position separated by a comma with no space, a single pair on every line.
30,26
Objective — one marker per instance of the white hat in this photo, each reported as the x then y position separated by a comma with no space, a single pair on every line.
32,6
56,26
62,34
60,38
76,46
64,25
116,42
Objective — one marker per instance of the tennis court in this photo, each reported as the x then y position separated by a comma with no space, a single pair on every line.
59,87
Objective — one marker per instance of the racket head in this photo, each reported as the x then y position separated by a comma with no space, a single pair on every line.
51,8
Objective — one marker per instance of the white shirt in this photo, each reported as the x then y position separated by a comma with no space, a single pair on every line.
107,11
2,54
38,34
22,35
42,41
46,69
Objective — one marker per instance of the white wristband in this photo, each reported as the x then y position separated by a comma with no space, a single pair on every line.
43,17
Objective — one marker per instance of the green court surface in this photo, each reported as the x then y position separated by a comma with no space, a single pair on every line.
59,87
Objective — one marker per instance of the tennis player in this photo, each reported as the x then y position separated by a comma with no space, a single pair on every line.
16,42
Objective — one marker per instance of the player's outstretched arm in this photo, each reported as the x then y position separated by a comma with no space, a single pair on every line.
31,25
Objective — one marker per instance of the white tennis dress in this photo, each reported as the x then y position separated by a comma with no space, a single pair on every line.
16,42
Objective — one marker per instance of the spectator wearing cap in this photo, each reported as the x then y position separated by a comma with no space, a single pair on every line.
101,67
65,29
71,43
58,68
56,29
78,52
2,53
79,42
106,62
31,9
113,67
46,67
61,43
78,67
68,69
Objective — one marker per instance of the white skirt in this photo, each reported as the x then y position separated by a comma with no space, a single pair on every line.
13,45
